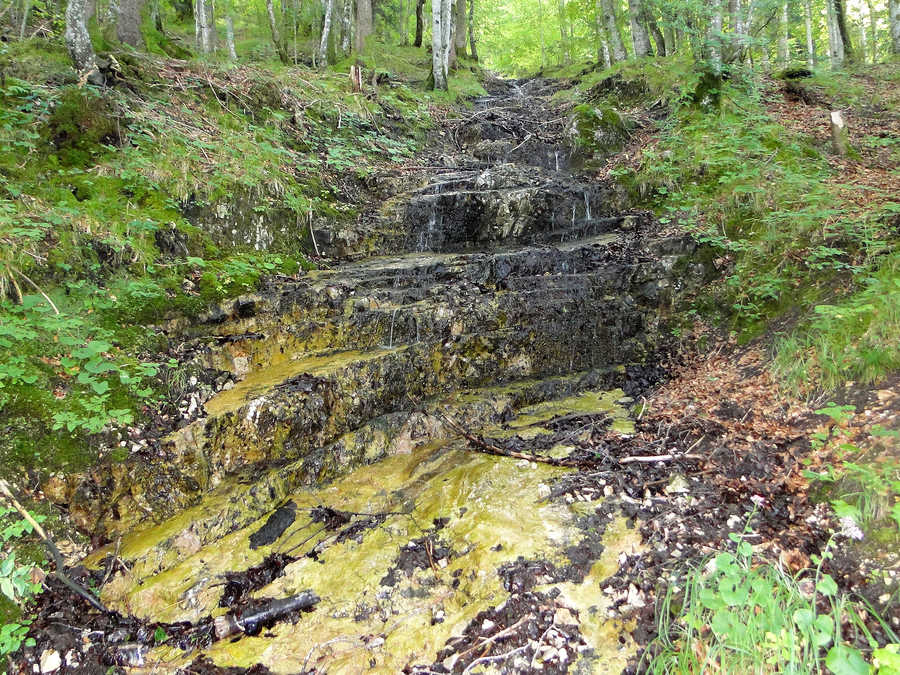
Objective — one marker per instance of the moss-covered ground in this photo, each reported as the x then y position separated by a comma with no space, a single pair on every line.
96,186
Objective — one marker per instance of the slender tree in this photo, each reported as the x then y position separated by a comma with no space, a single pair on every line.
440,40
460,29
612,31
840,16
78,42
835,42
894,20
326,33
473,49
364,23
128,23
229,37
784,34
420,22
810,43
639,36
276,34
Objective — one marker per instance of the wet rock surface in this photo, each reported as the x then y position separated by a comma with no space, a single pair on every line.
338,449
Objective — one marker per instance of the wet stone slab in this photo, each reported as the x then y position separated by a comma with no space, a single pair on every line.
424,561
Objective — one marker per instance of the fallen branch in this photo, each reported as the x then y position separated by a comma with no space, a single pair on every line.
657,458
478,444
54,552
228,624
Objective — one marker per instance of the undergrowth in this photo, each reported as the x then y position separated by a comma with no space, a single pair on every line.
740,613
766,198
106,200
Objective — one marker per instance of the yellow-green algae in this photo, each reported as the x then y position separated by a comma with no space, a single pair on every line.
488,501
259,381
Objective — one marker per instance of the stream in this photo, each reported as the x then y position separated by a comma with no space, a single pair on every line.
499,298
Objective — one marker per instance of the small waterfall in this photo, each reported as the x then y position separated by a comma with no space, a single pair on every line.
391,338
556,159
587,206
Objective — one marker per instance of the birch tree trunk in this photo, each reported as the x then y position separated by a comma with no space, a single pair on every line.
447,35
437,50
612,30
840,17
201,23
347,26
810,44
128,23
639,37
276,35
873,30
326,33
784,31
473,48
894,20
26,10
714,37
835,42
229,37
78,42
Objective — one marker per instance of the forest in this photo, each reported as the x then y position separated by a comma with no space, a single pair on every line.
450,336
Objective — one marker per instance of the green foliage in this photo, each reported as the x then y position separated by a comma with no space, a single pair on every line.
743,614
863,485
16,583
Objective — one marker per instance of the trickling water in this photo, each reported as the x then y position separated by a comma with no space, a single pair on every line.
556,159
587,207
391,338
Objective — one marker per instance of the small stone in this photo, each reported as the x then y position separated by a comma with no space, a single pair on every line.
50,661
487,625
543,490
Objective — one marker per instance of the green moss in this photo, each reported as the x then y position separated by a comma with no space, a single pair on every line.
601,129
82,124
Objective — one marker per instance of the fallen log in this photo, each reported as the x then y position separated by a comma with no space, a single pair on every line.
229,624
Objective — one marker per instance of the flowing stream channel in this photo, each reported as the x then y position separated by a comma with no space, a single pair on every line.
511,305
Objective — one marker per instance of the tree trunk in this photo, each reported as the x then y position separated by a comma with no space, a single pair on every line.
714,38
229,37
810,44
438,69
473,49
461,28
835,43
639,37
420,21
201,24
655,31
612,31
873,30
326,33
363,23
449,55
841,19
78,42
347,26
276,35
784,33
128,25
26,10
894,20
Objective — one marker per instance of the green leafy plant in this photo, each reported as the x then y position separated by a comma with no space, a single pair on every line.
743,614
16,582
